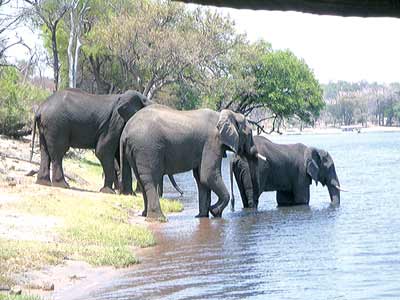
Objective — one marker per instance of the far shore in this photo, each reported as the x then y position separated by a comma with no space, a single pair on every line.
331,130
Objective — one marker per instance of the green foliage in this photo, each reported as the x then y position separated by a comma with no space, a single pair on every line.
16,101
273,81
288,87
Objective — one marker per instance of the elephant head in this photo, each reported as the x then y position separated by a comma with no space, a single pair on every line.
320,167
129,103
236,134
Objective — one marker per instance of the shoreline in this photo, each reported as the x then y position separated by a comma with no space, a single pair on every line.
329,130
55,240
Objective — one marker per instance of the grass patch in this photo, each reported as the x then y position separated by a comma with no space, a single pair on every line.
19,297
94,227
88,167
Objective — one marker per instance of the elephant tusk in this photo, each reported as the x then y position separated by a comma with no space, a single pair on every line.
340,189
261,156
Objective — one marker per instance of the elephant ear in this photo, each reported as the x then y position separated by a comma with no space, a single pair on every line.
228,130
129,103
312,164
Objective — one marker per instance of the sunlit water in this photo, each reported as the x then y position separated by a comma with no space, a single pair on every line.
316,252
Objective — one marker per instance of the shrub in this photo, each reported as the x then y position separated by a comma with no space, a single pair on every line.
16,102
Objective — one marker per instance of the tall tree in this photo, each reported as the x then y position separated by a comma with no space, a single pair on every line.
162,43
49,13
77,13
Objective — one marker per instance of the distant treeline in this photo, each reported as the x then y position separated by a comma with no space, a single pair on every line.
361,103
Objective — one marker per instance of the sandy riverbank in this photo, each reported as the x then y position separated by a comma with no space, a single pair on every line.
53,239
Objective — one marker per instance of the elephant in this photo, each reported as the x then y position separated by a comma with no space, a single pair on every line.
74,118
160,140
286,169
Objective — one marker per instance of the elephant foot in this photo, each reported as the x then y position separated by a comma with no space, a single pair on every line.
144,213
43,181
155,216
107,190
128,192
202,215
61,184
216,212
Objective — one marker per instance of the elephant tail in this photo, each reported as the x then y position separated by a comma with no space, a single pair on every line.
172,179
231,178
122,143
35,123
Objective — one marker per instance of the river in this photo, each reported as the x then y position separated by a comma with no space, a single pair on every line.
307,252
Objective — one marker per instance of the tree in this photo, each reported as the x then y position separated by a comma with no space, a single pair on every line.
49,13
162,44
8,23
280,83
77,13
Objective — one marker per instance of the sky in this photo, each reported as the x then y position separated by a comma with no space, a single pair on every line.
335,48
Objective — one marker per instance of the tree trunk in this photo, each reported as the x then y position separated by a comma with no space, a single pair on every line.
56,66
71,62
76,59
102,87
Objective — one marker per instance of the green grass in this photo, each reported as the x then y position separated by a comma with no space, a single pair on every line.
19,297
94,227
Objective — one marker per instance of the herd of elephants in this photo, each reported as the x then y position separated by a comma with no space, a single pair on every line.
130,132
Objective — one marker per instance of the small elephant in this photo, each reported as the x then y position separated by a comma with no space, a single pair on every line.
286,169
159,140
73,118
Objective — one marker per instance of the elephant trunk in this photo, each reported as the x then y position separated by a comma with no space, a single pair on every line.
334,191
231,178
253,199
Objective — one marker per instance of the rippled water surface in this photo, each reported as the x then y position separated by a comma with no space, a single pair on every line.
315,252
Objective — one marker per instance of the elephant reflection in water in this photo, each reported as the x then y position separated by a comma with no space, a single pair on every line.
286,169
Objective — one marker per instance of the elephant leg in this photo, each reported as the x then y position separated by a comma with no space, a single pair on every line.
57,178
57,151
302,195
132,164
204,196
218,187
126,179
150,191
107,162
285,198
43,176
117,185
242,190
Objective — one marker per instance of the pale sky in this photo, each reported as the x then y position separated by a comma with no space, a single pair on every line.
335,48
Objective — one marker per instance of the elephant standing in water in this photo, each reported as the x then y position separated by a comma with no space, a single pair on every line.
288,170
159,140
73,118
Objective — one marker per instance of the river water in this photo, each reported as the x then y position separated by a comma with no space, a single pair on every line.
307,252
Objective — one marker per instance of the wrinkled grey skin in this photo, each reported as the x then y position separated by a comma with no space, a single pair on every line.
289,170
73,118
159,140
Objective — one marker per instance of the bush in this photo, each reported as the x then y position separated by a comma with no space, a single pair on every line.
16,102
